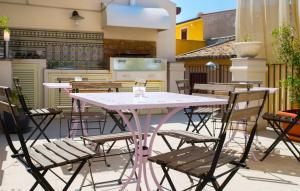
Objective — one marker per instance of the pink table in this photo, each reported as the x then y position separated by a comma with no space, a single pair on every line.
151,100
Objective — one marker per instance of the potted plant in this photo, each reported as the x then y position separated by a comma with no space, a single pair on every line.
4,23
247,48
287,50
22,118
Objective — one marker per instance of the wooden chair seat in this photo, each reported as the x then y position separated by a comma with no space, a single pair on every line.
59,153
194,161
277,118
39,159
204,110
44,111
187,136
101,139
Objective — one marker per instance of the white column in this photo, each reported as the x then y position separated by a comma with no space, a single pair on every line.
249,69
176,72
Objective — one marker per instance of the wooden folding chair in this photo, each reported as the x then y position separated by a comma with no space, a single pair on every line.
203,113
40,159
100,140
276,122
202,162
86,115
33,114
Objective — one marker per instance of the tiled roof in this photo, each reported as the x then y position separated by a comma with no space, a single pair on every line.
223,49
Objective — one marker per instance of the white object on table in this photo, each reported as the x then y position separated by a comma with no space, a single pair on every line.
57,85
151,100
138,91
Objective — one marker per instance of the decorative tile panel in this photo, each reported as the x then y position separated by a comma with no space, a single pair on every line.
62,49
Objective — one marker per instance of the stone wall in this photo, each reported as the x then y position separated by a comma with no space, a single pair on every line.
219,24
128,48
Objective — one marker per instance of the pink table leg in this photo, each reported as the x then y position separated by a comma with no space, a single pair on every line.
142,148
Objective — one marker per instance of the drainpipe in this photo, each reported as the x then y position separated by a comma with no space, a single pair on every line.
132,2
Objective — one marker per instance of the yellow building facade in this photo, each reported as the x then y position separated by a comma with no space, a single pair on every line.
189,35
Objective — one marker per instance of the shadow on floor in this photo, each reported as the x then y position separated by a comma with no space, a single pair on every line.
276,163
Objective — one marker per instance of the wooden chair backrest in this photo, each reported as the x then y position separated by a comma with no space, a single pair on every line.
233,112
3,91
258,83
254,100
183,86
21,96
7,107
238,85
95,86
214,90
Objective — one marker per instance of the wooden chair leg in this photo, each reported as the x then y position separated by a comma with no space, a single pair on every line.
228,178
42,181
202,184
42,131
37,182
168,177
74,175
275,143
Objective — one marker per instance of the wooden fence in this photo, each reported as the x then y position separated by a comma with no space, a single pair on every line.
276,73
280,100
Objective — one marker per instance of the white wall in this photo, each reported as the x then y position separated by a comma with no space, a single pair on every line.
55,14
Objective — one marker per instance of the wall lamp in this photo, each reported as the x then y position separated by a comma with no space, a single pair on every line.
76,17
6,38
212,65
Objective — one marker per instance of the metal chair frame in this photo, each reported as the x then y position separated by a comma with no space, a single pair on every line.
275,123
208,176
184,87
32,116
23,155
104,87
204,116
90,86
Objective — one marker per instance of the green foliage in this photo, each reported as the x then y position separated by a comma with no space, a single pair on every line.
4,22
287,50
16,101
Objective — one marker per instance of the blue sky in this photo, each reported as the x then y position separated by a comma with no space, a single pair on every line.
190,8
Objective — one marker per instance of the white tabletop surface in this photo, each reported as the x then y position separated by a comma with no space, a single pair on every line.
57,85
271,90
151,100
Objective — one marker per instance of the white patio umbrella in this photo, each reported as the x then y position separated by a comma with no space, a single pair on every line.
258,18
